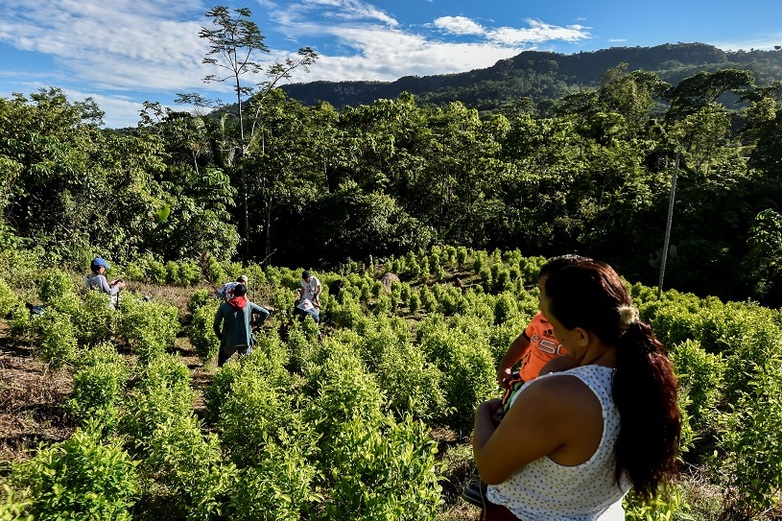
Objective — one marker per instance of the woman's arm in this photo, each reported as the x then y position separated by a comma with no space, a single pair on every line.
556,416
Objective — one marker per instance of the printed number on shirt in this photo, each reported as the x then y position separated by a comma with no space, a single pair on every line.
546,345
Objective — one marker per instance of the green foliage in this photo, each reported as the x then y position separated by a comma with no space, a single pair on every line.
281,486
459,349
505,308
56,338
149,327
701,379
13,508
190,466
201,332
83,477
98,386
8,299
342,390
251,402
162,391
385,473
750,459
667,506
54,284
200,297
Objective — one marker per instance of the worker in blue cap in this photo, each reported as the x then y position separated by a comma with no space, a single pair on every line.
98,280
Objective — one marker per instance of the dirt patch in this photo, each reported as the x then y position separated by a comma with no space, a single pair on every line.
32,403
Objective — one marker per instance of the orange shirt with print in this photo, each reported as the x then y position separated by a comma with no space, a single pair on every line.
542,348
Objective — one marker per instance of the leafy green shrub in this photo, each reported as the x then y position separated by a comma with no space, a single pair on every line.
411,384
13,509
95,321
747,335
347,314
341,389
172,272
428,300
22,324
200,297
673,321
21,266
81,478
135,271
162,390
749,460
414,302
156,271
451,301
279,486
97,387
383,305
663,507
505,307
54,283
486,279
149,327
701,379
457,348
189,273
8,300
382,473
302,344
214,270
189,465
56,338
254,409
201,332
413,268
530,268
461,255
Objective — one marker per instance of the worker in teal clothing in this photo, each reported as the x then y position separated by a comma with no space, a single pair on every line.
236,317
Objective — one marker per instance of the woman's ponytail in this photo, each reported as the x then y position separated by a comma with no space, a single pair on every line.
645,390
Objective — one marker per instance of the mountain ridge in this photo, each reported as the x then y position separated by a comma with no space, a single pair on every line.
543,75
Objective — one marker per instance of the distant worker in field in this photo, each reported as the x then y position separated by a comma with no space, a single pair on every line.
97,280
226,291
310,288
237,317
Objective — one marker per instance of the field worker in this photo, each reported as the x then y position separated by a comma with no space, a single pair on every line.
310,288
226,291
236,316
97,280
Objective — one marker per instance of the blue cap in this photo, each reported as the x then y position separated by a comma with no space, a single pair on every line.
100,262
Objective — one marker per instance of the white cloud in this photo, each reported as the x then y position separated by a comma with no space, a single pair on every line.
117,45
537,32
760,42
387,54
460,25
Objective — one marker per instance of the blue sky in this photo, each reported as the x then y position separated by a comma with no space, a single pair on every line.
124,52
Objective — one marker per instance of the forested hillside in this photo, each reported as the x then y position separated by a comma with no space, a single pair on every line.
535,78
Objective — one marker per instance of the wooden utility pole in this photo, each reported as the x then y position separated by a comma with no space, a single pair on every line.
666,243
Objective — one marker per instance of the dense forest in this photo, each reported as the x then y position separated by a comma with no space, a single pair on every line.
295,185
